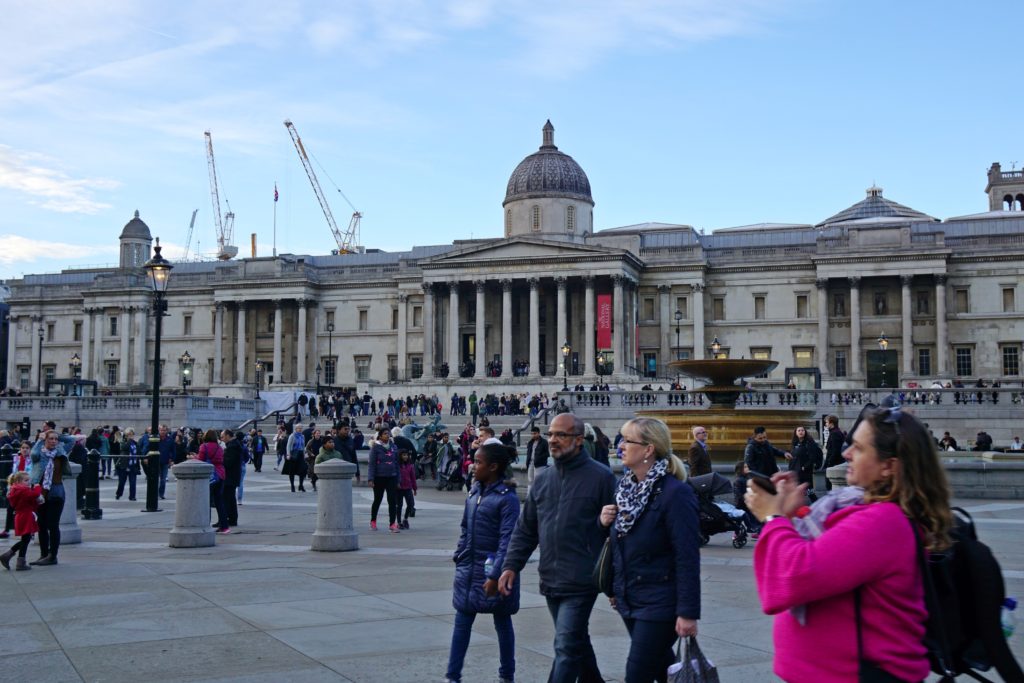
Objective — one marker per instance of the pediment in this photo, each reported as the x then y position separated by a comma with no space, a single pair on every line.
519,248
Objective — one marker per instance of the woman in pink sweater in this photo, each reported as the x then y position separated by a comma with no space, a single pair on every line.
857,543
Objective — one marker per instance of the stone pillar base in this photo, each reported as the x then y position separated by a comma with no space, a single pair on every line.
334,528
70,532
192,506
837,475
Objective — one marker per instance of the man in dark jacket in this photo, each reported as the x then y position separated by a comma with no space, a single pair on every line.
344,444
697,457
761,456
536,455
560,515
834,446
232,474
259,447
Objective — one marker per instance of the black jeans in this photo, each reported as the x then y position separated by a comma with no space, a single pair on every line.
49,526
217,498
650,650
130,477
406,496
21,547
382,485
231,503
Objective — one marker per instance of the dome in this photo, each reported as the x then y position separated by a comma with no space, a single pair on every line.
548,173
136,229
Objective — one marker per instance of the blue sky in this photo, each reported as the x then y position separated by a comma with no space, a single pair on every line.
709,113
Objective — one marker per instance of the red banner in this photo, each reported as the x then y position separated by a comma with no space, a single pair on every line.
604,321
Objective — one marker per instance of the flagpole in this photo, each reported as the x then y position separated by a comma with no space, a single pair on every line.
275,219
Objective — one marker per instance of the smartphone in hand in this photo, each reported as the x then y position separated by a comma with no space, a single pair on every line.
763,482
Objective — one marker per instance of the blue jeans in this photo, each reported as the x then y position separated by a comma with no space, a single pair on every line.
650,650
241,483
164,468
460,643
574,655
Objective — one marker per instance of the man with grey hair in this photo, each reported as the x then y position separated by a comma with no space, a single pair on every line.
698,457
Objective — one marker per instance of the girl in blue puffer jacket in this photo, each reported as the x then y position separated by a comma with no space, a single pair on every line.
492,510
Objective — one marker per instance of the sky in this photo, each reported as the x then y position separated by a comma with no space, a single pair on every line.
701,112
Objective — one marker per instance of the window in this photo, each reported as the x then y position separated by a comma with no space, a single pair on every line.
49,332
839,305
417,316
270,322
684,354
49,373
23,377
923,303
77,331
364,317
803,357
1008,300
362,368
470,312
881,305
570,219
761,354
329,319
648,313
392,368
415,366
330,371
113,325
759,307
840,363
508,222
394,318
650,368
924,362
149,372
718,308
964,361
801,305
186,323
681,306
1011,360
112,372
960,301
535,218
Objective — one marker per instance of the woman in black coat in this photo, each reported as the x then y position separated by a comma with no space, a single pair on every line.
655,543
806,456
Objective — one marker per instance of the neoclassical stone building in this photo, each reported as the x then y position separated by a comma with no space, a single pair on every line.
945,295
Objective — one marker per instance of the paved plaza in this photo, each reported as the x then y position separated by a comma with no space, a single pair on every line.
262,607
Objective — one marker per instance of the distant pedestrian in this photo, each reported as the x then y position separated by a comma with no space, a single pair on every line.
126,465
210,451
382,475
50,462
406,489
233,455
24,501
295,463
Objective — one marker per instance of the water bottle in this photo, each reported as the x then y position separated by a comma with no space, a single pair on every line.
1008,617
489,565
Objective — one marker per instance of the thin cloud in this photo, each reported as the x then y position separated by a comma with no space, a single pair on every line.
50,188
24,251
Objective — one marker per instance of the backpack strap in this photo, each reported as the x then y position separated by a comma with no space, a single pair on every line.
941,651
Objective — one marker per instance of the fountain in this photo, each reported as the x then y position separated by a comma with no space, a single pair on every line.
729,427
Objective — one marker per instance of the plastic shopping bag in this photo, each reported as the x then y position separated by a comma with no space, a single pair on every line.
692,666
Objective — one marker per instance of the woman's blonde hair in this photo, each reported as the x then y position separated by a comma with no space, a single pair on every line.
16,477
656,433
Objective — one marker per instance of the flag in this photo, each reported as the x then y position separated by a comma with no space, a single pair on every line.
275,192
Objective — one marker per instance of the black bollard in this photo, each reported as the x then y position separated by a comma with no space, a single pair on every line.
6,465
91,471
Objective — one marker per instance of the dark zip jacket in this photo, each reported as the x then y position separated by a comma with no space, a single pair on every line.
487,523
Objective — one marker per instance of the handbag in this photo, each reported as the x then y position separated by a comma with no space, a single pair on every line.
603,575
693,667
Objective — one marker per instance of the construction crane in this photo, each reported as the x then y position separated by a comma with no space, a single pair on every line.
188,240
348,242
225,228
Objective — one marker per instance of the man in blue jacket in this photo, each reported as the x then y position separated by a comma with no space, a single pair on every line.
561,515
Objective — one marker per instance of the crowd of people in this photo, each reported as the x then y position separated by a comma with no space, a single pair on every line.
338,404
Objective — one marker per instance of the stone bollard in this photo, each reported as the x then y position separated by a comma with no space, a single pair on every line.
90,479
192,506
334,530
70,532
837,475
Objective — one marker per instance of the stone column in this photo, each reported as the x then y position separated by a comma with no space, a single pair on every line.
481,328
697,307
300,352
192,506
908,326
86,337
534,327
941,331
403,324
855,327
334,529
97,348
240,345
140,345
589,364
126,328
428,329
218,343
12,347
618,331
665,319
506,328
37,353
278,334
561,326
453,329
822,285
70,532
634,304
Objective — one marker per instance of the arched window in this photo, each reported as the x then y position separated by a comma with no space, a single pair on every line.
1020,202
535,218
570,219
1008,203
508,222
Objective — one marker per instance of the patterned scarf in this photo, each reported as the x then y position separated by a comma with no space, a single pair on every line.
631,496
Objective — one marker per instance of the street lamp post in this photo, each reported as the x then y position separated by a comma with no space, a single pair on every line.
159,270
330,353
566,350
679,351
186,361
39,368
716,346
75,366
259,376
883,344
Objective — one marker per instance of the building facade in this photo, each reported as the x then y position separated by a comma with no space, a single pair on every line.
876,295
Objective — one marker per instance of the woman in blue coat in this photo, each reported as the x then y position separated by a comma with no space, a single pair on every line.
492,510
655,539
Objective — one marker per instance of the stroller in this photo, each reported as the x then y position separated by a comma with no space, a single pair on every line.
717,518
449,472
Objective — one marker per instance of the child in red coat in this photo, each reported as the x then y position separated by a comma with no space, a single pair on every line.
24,500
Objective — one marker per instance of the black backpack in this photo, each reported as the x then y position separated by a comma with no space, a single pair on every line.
964,593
